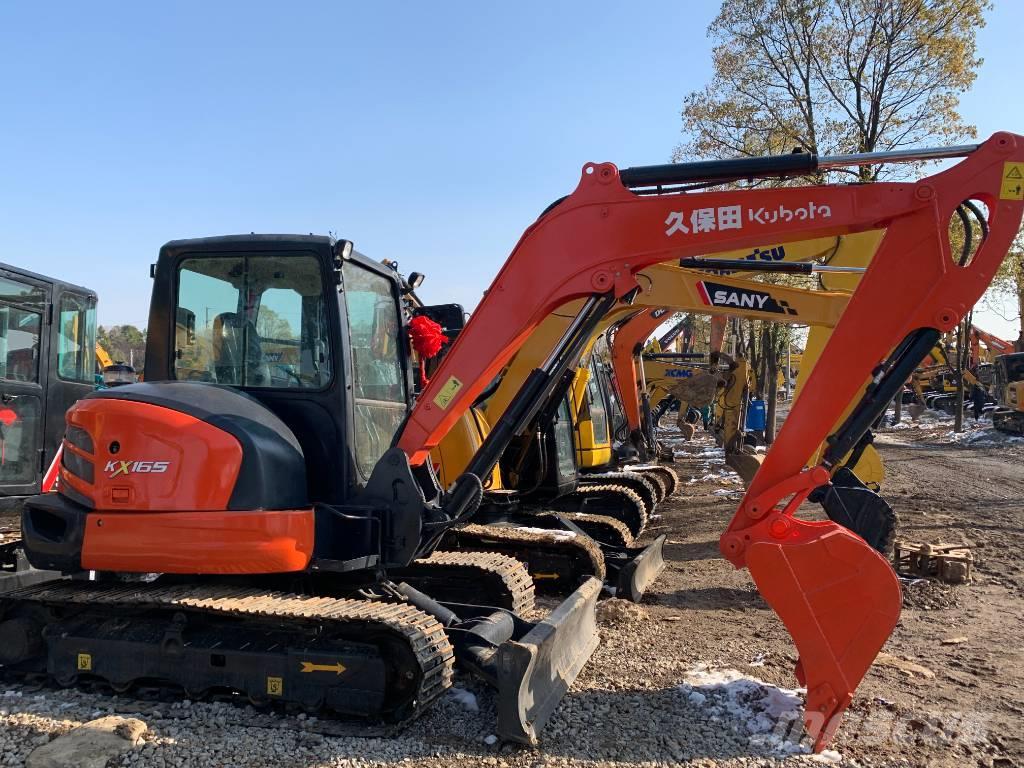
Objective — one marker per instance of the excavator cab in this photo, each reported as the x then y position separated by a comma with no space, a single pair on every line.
1008,381
304,351
47,338
295,323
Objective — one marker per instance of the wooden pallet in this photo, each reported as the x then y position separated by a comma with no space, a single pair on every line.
951,563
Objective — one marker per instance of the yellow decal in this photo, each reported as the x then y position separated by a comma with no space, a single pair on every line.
1013,182
84,662
309,666
275,686
537,576
448,391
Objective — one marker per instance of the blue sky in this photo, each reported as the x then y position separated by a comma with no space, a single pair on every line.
428,133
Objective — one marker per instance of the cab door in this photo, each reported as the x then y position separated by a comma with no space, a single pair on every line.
72,360
25,307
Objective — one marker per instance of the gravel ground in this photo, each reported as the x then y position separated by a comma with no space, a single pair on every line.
678,678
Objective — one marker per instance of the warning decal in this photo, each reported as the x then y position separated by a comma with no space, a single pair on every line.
448,391
1012,187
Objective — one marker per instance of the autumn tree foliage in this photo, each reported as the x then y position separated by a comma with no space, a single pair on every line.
834,77
831,77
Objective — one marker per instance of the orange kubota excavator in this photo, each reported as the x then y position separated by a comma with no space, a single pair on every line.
173,477
839,598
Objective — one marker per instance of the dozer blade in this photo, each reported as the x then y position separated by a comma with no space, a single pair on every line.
16,572
639,573
840,601
535,671
745,464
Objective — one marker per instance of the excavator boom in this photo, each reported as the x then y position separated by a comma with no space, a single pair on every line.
604,233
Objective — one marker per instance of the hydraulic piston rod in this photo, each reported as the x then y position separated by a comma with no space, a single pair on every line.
776,166
785,267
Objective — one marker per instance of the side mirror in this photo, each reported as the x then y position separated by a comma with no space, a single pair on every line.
451,317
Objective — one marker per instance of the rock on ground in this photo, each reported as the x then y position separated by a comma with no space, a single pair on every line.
90,745
617,611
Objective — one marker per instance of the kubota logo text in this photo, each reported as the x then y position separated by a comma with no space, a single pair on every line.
118,467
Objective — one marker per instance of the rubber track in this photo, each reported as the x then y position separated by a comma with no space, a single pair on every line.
666,474
620,527
423,634
652,489
655,479
627,495
512,572
547,539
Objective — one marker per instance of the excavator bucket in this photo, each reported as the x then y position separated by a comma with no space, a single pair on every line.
744,464
840,601
535,671
639,573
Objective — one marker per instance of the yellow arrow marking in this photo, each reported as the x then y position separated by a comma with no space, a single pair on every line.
544,576
309,666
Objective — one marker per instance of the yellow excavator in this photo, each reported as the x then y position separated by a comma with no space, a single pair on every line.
1008,385
820,310
554,500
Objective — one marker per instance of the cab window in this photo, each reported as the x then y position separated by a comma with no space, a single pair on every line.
564,446
252,321
598,413
76,338
21,323
378,378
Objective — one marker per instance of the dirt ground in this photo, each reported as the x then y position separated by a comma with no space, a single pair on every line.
967,704
667,685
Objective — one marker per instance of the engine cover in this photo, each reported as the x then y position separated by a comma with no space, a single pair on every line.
174,477
167,446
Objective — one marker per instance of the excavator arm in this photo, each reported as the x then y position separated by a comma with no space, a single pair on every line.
664,285
994,346
595,241
716,295
839,599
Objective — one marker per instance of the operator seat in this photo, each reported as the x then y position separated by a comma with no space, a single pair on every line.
238,352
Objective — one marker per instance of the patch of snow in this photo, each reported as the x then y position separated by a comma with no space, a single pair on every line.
770,718
828,756
466,698
490,740
724,492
